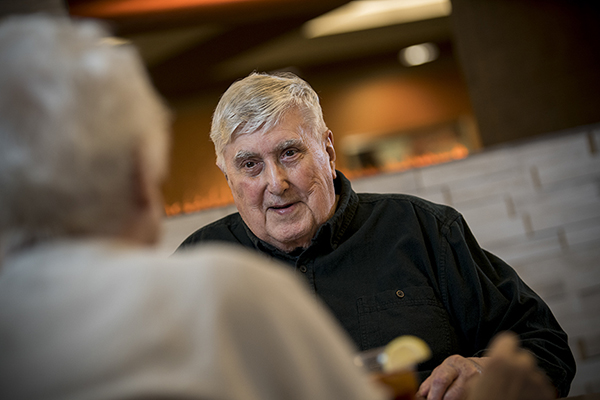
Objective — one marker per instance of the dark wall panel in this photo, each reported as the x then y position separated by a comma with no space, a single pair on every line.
532,66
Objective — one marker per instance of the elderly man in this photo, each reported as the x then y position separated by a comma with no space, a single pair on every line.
385,264
88,310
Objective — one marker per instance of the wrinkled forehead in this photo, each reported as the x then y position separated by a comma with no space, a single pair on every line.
292,120
277,137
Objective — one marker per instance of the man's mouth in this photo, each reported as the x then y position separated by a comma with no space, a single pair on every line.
281,207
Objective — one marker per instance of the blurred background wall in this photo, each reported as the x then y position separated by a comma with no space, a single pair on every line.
491,106
385,115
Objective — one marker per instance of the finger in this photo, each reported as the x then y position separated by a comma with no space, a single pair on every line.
455,392
424,388
449,380
467,370
506,347
441,379
503,344
418,396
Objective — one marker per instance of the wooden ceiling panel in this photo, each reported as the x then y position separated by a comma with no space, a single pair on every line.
194,45
134,16
191,70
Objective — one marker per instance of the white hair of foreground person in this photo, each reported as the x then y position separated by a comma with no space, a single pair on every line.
258,103
76,116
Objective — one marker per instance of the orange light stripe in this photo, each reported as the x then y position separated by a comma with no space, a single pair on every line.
215,199
117,8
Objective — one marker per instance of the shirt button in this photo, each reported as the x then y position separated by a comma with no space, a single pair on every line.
303,269
399,293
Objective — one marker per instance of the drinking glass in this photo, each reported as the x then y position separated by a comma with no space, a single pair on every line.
402,384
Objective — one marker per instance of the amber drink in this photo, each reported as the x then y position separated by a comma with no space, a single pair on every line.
393,366
402,385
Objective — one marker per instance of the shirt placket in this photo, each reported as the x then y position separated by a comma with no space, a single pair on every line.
305,266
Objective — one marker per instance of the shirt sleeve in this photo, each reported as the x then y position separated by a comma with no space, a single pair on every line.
486,296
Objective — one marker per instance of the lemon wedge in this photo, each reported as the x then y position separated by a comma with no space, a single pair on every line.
404,352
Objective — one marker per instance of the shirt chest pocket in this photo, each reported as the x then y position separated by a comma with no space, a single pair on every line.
406,311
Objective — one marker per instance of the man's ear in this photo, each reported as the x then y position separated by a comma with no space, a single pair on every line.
222,168
225,174
330,151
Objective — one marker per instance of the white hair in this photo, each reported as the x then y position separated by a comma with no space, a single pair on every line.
259,102
75,116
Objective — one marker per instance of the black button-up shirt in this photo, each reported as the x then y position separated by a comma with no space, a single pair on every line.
392,264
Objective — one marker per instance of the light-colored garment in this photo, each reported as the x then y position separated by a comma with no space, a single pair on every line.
101,320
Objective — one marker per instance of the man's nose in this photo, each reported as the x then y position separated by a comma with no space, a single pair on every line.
277,180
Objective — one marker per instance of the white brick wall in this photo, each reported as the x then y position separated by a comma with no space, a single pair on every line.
536,204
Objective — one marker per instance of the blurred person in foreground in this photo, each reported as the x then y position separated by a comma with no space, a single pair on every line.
385,264
88,310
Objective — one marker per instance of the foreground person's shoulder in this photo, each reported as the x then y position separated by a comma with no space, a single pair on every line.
230,257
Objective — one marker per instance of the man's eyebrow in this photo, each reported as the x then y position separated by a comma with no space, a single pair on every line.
246,154
289,143
243,155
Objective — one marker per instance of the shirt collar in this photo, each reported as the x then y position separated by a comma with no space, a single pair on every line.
332,231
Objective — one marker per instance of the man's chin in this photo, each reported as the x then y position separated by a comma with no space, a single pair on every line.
289,241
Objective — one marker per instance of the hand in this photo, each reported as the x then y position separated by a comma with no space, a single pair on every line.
449,381
511,374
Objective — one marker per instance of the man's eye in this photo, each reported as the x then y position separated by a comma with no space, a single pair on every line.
290,153
251,167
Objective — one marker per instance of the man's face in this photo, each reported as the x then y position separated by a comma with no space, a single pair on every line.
282,182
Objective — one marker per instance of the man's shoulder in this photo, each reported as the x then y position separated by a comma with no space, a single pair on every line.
401,202
225,229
